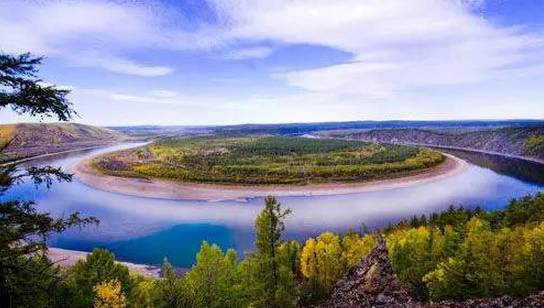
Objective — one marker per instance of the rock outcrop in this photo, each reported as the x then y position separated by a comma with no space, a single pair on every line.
372,283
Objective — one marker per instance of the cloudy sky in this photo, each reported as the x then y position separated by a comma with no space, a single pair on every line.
234,61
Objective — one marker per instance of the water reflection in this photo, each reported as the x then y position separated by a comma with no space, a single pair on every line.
146,230
531,172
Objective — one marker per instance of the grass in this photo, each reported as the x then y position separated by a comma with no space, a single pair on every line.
267,160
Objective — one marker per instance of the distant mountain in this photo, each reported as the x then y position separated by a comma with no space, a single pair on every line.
31,139
149,132
302,128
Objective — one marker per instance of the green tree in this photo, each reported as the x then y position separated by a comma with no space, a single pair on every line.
415,252
170,291
143,293
275,281
289,255
311,291
99,267
473,271
25,93
213,281
23,230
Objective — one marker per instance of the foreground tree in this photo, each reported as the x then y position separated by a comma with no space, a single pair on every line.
99,267
171,290
213,281
24,230
322,258
109,295
269,270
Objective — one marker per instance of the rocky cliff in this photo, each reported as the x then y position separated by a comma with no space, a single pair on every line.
372,283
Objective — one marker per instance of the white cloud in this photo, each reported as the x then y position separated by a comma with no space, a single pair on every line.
86,33
248,53
396,44
164,93
149,99
122,66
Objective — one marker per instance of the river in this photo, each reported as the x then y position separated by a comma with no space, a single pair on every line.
146,230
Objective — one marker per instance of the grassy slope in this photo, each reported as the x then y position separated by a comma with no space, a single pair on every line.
31,139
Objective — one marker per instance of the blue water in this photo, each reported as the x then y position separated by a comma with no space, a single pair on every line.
146,230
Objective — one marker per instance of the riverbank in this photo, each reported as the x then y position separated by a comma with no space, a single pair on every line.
67,258
165,189
526,158
77,149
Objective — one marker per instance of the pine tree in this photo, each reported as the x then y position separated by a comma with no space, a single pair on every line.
277,282
24,230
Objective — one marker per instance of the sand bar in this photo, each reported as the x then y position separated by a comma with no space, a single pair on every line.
67,258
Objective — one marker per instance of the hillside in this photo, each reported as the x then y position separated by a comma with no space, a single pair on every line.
518,141
32,139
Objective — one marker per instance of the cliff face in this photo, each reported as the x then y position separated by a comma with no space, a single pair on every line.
510,141
372,283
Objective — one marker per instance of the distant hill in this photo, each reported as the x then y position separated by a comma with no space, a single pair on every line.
32,139
150,132
303,128
519,141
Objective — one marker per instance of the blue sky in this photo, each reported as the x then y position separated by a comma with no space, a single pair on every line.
198,62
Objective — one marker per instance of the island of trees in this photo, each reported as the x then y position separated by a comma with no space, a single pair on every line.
267,160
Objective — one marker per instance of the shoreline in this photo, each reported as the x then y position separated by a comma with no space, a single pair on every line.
52,154
172,190
66,258
525,158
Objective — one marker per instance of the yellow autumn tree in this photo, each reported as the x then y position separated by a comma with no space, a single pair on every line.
323,258
108,295
355,247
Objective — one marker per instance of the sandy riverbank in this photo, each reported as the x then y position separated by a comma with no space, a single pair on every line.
66,258
165,189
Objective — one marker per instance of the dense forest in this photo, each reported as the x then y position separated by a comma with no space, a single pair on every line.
456,254
267,160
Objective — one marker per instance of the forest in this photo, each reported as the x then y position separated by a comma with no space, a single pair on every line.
267,160
534,145
456,254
